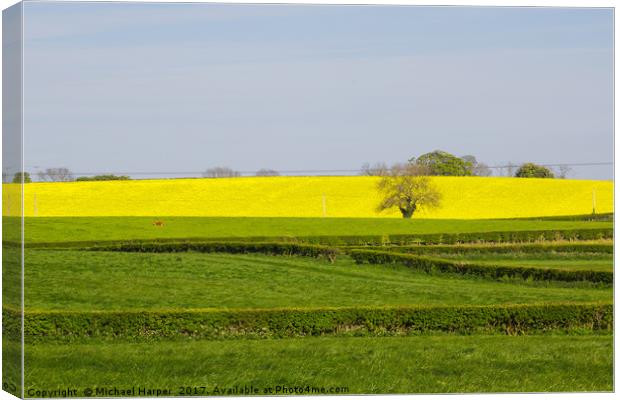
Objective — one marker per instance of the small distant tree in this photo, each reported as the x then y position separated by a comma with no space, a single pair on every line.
564,171
378,169
408,188
443,163
510,169
477,168
531,170
55,175
267,172
17,178
221,172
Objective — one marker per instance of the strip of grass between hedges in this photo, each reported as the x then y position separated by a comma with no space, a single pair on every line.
367,240
531,248
504,237
394,256
296,322
428,264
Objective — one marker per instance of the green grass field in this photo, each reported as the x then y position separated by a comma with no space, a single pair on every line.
79,282
425,364
62,229
116,281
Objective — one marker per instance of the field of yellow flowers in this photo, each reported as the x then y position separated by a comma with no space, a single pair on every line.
356,196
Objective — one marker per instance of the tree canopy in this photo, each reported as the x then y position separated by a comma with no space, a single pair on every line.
531,170
17,178
407,188
443,163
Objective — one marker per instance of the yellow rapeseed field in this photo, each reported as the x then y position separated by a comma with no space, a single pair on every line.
356,196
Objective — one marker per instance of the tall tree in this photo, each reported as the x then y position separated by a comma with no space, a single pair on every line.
407,188
443,163
531,170
20,177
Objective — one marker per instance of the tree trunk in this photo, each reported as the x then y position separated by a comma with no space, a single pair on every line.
407,211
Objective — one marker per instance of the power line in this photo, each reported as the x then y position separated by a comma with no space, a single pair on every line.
555,165
316,171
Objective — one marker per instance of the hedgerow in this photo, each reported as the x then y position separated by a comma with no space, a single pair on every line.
287,249
504,237
581,217
276,323
428,264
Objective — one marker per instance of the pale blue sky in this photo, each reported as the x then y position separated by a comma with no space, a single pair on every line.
181,87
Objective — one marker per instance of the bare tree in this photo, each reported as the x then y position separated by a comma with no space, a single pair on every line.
564,171
408,188
55,175
511,169
379,169
481,169
221,172
267,172
477,168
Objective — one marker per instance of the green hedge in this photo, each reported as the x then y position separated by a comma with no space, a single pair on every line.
271,323
225,247
504,237
372,240
428,264
581,217
572,247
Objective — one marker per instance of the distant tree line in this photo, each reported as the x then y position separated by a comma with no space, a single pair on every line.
436,163
408,188
442,163
108,177
227,172
63,175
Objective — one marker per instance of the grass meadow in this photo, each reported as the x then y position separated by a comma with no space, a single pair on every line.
67,229
425,364
117,281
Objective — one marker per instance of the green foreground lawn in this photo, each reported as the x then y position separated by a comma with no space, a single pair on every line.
81,280
59,229
424,364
